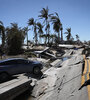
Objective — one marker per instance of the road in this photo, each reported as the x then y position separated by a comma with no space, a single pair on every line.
86,77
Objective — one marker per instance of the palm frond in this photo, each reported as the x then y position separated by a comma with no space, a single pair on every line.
31,21
1,22
57,14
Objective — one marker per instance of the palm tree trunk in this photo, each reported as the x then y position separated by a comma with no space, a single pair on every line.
3,38
61,35
35,34
48,35
40,39
27,39
46,30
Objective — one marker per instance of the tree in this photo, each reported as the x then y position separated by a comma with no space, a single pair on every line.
2,33
68,34
40,29
77,37
32,22
26,29
56,25
14,39
45,15
52,37
44,36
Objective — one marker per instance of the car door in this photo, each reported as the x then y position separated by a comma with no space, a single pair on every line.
29,66
10,66
24,66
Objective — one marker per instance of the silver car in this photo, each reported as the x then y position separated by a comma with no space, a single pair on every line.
15,66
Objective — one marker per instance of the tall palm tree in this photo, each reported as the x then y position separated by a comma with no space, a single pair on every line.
32,22
40,29
56,24
2,33
26,29
45,15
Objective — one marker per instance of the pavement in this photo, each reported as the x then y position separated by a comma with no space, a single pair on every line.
86,77
14,87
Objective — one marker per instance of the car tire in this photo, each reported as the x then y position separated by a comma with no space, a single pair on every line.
36,70
4,76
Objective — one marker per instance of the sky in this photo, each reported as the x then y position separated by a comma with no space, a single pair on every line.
72,13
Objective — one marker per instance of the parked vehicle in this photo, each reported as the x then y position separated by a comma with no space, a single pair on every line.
15,66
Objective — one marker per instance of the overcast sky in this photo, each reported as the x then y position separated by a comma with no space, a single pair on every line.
72,13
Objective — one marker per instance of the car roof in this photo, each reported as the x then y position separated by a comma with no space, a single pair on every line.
9,59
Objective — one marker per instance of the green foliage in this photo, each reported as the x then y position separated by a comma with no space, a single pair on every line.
14,39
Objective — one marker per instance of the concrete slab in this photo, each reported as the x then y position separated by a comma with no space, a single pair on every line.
13,88
56,63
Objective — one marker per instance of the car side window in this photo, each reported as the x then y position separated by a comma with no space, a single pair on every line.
30,62
10,62
2,63
20,61
17,61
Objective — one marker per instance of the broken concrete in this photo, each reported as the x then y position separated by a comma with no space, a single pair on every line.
62,83
56,63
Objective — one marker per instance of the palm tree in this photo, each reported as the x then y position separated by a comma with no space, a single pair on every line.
45,15
77,37
44,36
2,33
26,29
32,22
69,36
40,31
56,24
52,37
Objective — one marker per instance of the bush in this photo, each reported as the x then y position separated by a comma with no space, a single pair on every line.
14,39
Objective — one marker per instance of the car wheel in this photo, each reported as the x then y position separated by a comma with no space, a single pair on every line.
36,70
4,76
